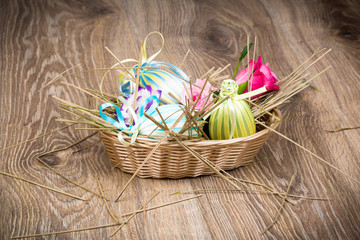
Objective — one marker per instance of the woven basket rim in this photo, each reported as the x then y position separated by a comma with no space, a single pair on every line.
140,139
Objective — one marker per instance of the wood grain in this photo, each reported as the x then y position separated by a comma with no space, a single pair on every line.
41,39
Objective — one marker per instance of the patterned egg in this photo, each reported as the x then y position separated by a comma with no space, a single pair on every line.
233,118
170,113
162,76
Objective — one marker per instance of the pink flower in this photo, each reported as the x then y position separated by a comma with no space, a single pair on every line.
262,76
196,89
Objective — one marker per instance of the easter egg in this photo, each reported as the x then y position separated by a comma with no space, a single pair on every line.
233,116
170,114
162,76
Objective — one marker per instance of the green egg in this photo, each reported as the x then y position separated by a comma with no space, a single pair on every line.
233,119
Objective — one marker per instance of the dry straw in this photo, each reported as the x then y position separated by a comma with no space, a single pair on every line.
133,215
106,201
61,175
215,190
41,185
280,208
35,138
111,224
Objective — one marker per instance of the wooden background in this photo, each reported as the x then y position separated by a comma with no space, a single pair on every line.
41,39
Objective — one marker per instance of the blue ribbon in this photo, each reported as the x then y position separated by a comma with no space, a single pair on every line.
121,124
132,130
150,110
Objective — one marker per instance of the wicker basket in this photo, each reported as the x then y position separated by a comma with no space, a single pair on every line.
171,160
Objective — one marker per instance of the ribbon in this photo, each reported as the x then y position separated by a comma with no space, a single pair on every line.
129,87
132,130
143,48
122,74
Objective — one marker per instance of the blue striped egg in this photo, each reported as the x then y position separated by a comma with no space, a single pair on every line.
170,113
163,76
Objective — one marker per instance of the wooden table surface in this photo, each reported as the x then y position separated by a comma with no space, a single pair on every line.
41,39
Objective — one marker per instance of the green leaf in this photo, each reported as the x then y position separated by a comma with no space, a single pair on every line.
243,54
216,95
242,87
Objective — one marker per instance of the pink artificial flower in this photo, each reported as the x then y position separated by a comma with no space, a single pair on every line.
262,76
196,89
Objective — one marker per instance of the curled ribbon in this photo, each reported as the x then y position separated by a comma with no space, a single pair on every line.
128,86
132,130
144,59
131,84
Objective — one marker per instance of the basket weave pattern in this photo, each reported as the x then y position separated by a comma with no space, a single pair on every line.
171,160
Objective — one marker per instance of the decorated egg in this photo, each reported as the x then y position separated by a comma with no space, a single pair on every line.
233,118
170,114
160,76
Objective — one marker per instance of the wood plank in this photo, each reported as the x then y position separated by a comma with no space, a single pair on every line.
41,39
